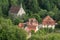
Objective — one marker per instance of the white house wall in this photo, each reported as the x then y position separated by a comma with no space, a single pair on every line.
36,28
48,26
21,12
44,26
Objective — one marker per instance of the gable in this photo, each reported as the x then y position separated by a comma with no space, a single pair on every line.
14,9
48,20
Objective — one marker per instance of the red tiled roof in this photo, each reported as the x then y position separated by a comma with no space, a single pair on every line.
48,20
14,9
31,24
21,25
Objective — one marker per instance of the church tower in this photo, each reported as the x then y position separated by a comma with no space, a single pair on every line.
21,11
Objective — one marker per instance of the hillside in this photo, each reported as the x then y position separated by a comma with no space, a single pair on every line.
35,9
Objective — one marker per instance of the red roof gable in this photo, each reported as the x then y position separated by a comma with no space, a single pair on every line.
21,25
48,20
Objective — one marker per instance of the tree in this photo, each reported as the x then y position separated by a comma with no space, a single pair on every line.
17,20
20,1
50,13
1,11
57,16
8,31
31,5
46,4
5,7
35,6
1,8
34,37
42,13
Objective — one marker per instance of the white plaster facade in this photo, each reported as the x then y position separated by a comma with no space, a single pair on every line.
36,28
49,26
21,12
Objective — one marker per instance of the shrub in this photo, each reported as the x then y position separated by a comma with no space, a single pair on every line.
34,37
51,36
11,32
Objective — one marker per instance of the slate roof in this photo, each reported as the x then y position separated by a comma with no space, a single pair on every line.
14,9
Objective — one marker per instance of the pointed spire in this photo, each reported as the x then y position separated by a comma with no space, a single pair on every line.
21,11
21,5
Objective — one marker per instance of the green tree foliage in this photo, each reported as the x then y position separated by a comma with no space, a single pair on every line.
37,17
14,2
25,17
58,26
50,13
18,20
42,13
46,4
46,37
20,1
1,11
0,8
34,37
32,5
34,9
43,34
8,31
5,6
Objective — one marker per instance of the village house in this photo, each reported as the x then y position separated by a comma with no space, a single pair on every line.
48,22
16,11
32,24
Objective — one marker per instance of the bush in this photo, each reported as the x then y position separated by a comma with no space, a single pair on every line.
51,36
34,37
8,31
44,31
16,21
58,26
45,34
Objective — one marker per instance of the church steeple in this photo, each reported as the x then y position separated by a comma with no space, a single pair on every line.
21,5
21,11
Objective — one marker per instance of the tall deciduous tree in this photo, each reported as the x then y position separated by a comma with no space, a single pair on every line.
46,4
32,5
0,7
5,7
42,13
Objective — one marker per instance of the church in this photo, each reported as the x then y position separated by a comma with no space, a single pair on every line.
16,11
